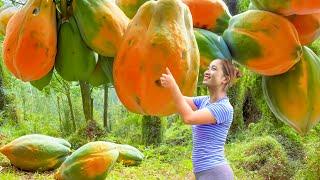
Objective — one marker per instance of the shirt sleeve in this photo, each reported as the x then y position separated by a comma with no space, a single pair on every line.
198,101
220,112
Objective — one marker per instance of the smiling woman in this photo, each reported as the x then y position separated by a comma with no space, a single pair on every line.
210,116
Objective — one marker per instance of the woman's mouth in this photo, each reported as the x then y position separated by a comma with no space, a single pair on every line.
206,77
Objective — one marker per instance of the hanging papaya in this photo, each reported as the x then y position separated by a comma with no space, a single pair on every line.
211,46
107,67
212,15
130,7
75,61
5,16
43,82
29,47
288,7
101,23
98,76
308,27
160,35
294,97
93,160
264,42
36,152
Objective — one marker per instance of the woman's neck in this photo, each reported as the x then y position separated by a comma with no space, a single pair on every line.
216,94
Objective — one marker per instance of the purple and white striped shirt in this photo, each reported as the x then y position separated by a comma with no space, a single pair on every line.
209,139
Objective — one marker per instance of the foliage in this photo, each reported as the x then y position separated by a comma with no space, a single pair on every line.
262,157
243,5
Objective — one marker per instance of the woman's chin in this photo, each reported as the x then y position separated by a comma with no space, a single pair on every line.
204,82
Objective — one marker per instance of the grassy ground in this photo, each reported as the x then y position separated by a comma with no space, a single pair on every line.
157,165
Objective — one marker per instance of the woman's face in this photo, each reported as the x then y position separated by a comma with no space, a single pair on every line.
213,76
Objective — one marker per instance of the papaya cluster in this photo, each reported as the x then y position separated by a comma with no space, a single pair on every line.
130,43
270,39
94,160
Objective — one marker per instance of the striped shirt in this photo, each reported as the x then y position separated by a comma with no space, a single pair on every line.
209,139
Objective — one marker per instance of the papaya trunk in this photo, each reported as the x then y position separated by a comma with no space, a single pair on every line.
86,100
106,123
151,130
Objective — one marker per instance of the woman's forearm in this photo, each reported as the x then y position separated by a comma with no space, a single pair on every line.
182,106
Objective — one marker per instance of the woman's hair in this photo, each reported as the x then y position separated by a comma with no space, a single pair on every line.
230,70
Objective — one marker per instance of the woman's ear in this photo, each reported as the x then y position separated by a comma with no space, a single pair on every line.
226,79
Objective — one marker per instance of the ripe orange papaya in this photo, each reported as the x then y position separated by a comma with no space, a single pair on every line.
160,35
29,47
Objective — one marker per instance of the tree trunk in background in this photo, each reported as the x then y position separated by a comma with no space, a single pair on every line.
151,130
71,110
91,107
232,5
106,123
59,113
2,95
86,100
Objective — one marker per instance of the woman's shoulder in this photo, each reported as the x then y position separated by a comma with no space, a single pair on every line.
226,103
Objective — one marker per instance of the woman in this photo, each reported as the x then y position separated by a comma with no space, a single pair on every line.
210,117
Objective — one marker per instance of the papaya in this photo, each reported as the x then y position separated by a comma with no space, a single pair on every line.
29,47
129,155
264,42
212,15
93,160
75,61
107,67
294,97
211,46
36,152
307,26
288,7
5,16
43,82
130,7
160,35
101,23
99,76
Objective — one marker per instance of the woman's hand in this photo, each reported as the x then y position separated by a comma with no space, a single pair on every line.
167,80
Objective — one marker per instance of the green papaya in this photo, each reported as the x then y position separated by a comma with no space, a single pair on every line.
102,24
129,155
75,61
43,82
36,152
107,67
102,73
130,8
211,46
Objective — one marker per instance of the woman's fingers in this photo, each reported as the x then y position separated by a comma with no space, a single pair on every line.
168,71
